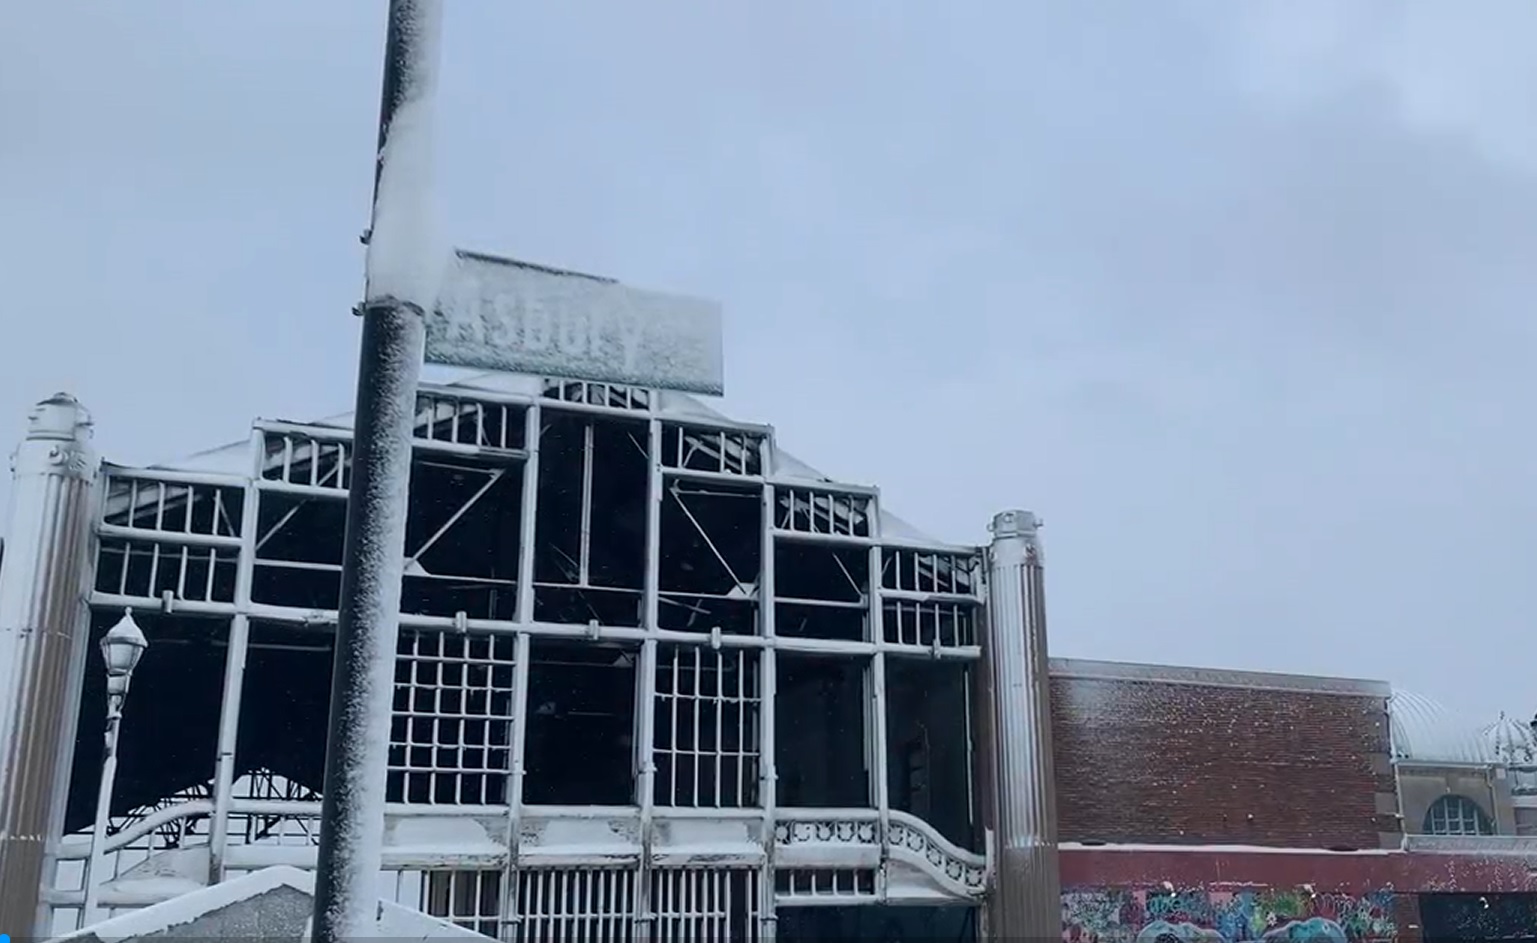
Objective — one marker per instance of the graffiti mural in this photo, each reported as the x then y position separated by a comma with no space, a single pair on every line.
1119,915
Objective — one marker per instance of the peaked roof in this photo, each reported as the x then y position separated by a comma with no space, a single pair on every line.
235,459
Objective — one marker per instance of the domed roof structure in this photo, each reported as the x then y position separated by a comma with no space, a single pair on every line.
1423,730
1511,740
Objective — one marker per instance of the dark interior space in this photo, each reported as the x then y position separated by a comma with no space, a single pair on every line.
168,735
305,533
172,507
451,726
820,706
444,418
717,451
462,534
590,526
150,569
1477,918
712,533
821,591
581,724
285,703
815,511
929,748
706,738
935,620
887,924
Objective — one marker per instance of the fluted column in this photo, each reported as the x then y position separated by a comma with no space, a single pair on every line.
44,623
1026,899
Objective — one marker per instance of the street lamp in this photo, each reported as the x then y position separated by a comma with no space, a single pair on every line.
121,649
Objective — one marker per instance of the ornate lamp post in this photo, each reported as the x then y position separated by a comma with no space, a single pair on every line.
121,649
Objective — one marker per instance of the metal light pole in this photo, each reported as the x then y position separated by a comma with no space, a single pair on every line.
121,649
389,366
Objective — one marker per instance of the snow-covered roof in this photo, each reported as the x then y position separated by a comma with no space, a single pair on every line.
395,922
1426,731
235,458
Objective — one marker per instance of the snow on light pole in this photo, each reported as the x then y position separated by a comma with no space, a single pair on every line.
121,649
404,267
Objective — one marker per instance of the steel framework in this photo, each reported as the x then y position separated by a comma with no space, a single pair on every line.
770,679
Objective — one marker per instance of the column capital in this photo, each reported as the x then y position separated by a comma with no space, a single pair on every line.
58,440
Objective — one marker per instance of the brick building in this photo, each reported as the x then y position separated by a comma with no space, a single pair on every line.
1215,804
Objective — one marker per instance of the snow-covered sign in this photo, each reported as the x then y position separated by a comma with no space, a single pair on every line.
500,314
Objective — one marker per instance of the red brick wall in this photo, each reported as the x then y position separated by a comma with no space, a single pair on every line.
1150,761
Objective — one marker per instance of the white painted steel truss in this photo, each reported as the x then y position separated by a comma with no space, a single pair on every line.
758,599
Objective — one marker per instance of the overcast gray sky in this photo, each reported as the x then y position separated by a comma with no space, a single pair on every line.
1236,296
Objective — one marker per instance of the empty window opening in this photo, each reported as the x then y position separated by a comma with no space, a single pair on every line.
144,569
470,899
705,904
930,599
559,905
451,731
821,705
929,744
813,511
285,704
714,451
172,507
1457,815
299,550
608,395
169,731
821,591
457,420
706,727
590,547
711,538
462,534
186,549
306,461
581,723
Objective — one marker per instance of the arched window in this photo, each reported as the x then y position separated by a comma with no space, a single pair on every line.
1457,815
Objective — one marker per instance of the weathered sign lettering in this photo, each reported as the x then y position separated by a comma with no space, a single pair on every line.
499,314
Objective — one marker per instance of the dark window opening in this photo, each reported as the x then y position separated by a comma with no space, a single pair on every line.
299,550
928,731
150,569
169,732
285,703
706,737
451,727
590,519
717,451
462,537
821,591
713,539
820,705
581,724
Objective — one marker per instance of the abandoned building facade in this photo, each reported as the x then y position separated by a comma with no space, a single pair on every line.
658,679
